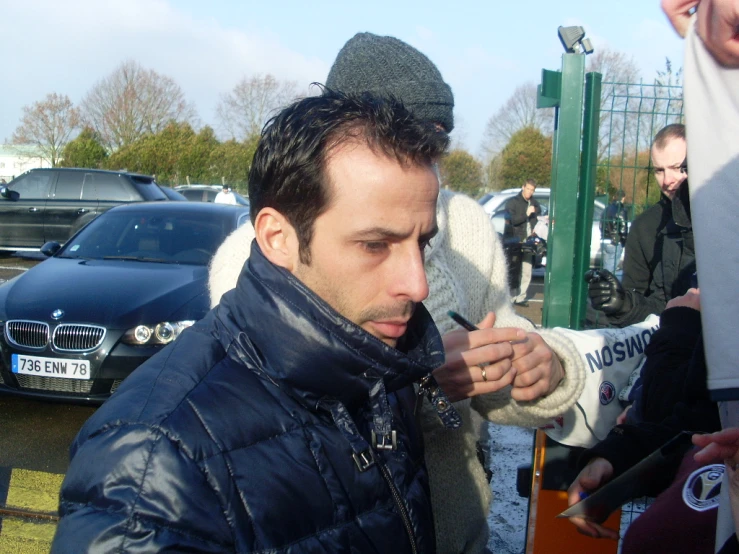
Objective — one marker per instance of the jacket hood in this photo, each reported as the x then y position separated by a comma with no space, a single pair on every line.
308,347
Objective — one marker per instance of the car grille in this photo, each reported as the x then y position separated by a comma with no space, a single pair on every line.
77,338
29,334
67,337
53,384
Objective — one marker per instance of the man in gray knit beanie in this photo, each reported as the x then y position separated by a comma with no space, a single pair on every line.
389,67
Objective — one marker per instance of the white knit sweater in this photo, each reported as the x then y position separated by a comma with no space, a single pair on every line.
467,272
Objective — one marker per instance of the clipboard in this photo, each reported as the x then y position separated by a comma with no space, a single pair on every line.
614,494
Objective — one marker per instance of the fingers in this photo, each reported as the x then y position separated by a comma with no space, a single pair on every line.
621,419
469,352
588,528
467,381
717,23
472,353
488,321
691,299
538,369
456,342
593,476
717,447
678,12
593,530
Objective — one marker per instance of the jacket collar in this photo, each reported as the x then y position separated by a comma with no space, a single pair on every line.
306,346
681,206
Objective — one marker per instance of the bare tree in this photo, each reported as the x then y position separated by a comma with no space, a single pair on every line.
132,102
48,124
619,119
517,113
244,110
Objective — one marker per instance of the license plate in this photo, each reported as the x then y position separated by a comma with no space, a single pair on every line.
50,367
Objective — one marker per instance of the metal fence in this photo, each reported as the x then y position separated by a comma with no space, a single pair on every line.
602,139
630,116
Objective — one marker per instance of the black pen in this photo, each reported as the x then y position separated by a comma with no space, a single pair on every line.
462,321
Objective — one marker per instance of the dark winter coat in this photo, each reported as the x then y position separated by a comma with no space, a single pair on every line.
674,397
253,433
520,222
659,260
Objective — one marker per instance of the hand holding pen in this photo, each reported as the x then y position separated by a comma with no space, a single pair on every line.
534,369
478,358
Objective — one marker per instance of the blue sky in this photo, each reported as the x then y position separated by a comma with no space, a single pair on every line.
483,49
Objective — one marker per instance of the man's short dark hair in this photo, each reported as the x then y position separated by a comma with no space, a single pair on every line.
668,133
530,182
289,168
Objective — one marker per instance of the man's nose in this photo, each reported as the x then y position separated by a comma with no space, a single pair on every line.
411,275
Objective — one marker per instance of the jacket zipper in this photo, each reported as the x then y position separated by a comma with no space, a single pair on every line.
399,503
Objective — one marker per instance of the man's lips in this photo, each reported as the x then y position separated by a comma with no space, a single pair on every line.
391,328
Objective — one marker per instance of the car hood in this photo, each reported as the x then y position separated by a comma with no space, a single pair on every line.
114,293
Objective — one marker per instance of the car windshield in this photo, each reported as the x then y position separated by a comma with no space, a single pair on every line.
143,236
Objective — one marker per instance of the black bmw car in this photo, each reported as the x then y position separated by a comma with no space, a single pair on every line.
74,326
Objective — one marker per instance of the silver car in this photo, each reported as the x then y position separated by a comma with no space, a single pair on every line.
496,209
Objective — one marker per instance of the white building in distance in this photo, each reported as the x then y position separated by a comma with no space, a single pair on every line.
18,158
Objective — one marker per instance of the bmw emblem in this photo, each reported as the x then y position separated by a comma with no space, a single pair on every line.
57,314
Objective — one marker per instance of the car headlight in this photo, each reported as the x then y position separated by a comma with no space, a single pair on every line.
161,333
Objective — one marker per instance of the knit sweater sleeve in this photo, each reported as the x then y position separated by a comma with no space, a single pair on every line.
476,259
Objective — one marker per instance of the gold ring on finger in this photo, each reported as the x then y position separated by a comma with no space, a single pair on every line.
484,375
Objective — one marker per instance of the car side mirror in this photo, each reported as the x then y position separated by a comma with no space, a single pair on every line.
10,194
50,248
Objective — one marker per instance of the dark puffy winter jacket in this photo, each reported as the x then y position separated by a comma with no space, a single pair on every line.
253,432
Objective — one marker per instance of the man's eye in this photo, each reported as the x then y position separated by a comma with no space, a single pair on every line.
375,247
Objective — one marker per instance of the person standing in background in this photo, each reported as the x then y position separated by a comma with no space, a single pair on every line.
524,211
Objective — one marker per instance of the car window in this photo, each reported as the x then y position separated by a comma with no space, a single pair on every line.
106,186
32,186
210,195
193,195
68,185
147,187
147,236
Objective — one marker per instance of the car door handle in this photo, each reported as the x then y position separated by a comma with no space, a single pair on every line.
82,211
32,209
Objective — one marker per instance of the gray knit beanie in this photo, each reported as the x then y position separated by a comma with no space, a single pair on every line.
388,66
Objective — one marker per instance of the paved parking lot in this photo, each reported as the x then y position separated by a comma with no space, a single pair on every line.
12,265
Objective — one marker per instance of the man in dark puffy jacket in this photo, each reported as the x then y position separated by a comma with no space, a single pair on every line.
659,259
284,420
523,212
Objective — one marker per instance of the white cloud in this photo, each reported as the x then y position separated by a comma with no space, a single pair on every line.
425,34
67,47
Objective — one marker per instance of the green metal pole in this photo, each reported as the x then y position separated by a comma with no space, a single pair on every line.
584,227
563,200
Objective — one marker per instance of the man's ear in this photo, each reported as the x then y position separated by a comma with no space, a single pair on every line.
277,238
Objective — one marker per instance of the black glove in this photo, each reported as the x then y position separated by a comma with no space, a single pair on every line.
606,293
